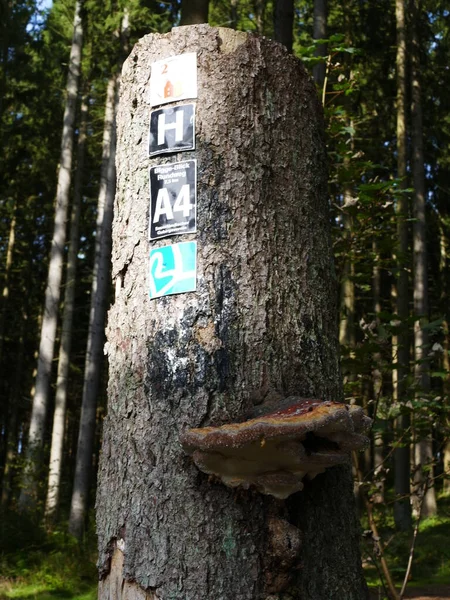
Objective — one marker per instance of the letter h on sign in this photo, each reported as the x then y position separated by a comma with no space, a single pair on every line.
172,129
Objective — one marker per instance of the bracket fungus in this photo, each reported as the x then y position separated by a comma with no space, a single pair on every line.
276,451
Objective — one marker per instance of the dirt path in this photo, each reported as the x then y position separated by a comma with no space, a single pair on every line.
430,592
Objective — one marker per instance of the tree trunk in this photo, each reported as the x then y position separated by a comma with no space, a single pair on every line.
8,264
53,290
261,326
377,383
234,13
402,476
62,380
423,444
320,33
194,11
445,353
96,334
259,9
283,22
446,367
347,310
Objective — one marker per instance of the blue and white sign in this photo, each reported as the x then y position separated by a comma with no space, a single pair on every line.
173,269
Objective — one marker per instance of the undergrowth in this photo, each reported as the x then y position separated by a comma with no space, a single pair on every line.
431,564
40,565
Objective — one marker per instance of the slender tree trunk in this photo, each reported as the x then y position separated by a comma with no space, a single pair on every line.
446,367
402,507
259,7
283,22
446,351
234,13
259,327
423,444
320,33
62,381
8,264
5,17
194,11
96,335
377,382
53,291
347,311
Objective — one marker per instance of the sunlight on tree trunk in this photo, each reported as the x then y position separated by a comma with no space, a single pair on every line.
62,380
53,291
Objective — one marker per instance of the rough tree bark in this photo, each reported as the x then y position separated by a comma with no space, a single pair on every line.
261,326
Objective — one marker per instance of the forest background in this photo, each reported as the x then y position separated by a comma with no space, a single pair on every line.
381,69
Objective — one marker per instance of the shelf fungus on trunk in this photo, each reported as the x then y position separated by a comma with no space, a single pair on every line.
276,451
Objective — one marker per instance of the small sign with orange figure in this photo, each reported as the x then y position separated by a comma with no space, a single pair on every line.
174,78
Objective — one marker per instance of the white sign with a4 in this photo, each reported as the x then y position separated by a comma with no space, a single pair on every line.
173,199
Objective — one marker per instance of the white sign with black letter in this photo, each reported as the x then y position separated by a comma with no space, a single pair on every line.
172,129
173,199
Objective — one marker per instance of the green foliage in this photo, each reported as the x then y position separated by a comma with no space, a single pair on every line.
39,564
432,554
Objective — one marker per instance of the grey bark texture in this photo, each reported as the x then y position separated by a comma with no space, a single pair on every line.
261,326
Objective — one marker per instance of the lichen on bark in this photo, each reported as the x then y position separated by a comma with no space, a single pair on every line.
260,326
